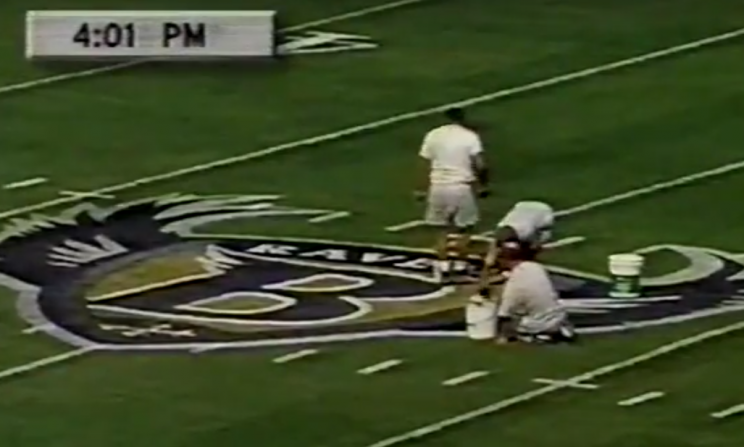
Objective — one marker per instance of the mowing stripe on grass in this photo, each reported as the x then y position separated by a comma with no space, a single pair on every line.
28,85
400,118
641,398
510,402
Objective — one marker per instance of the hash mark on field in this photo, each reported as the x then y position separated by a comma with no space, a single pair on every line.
379,367
567,383
373,125
330,216
504,404
728,412
301,354
469,377
26,183
640,399
405,226
82,195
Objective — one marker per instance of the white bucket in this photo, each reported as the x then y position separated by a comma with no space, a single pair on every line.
625,271
480,316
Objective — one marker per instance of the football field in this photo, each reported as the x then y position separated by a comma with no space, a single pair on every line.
232,256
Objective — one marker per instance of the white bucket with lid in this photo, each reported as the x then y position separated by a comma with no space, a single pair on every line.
625,271
480,317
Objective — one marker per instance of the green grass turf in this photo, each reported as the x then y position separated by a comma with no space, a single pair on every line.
570,144
680,418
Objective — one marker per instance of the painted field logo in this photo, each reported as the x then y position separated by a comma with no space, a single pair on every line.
138,276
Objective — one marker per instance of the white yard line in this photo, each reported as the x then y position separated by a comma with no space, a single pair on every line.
434,428
64,77
379,367
654,188
465,378
641,398
26,183
403,117
647,190
41,363
621,197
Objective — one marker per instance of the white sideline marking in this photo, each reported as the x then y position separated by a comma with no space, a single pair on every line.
641,398
295,355
46,361
570,383
82,195
330,216
373,125
469,377
731,411
548,389
378,367
28,85
26,183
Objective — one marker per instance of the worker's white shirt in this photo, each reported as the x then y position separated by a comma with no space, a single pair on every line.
529,219
450,149
530,296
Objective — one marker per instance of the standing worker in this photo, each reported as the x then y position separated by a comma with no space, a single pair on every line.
456,173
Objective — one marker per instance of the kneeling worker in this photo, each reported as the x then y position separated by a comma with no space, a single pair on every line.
529,308
528,224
